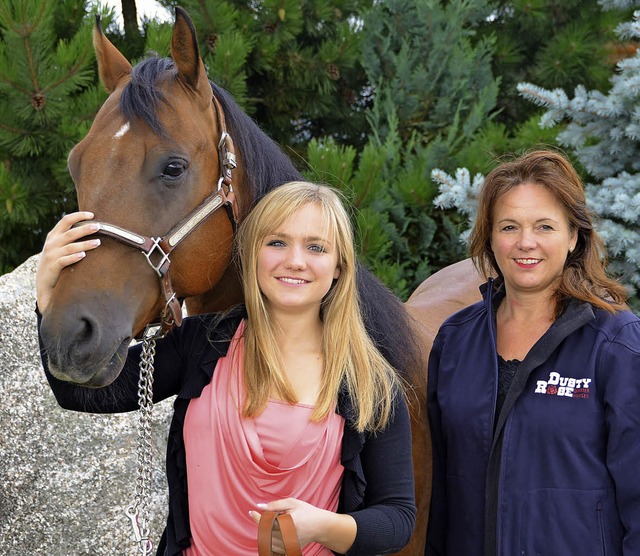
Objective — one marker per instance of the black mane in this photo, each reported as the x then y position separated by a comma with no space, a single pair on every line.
142,95
266,166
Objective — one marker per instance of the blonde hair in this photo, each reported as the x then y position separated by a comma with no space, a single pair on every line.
350,357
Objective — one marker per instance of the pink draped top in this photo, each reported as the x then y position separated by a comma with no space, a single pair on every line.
233,462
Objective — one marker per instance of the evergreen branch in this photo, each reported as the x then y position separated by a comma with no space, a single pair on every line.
13,130
555,101
18,29
73,71
16,87
459,191
32,69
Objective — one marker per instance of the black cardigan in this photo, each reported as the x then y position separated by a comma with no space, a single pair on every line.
377,486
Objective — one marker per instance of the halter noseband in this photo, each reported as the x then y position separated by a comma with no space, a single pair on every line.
157,249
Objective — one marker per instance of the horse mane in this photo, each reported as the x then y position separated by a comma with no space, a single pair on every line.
389,325
266,167
141,96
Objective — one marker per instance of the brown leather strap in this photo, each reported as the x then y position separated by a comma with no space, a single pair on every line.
287,530
289,535
265,526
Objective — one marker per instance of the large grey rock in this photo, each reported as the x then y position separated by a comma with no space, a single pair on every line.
65,477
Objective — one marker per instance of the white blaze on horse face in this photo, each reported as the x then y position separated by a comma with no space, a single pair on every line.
122,131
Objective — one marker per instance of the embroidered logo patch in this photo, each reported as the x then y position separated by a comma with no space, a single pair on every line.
564,386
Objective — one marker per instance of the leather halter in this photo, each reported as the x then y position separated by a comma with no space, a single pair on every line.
157,249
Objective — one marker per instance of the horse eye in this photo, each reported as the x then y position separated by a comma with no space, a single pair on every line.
174,170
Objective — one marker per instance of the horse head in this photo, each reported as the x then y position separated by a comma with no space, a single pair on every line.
154,168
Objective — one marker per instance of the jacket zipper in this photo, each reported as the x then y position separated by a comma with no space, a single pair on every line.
601,527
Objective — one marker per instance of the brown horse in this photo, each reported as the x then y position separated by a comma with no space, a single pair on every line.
169,167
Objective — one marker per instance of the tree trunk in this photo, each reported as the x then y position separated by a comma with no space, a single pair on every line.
131,29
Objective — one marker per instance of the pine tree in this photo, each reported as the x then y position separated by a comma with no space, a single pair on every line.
293,65
428,66
47,101
433,88
551,43
603,135
554,44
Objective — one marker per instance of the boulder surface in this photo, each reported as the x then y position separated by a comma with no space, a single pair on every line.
66,478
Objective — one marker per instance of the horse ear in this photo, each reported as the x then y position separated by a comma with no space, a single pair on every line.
186,55
112,65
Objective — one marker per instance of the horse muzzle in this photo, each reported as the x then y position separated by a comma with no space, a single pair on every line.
82,352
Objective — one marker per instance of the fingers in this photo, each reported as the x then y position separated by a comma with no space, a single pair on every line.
61,240
255,516
283,505
63,246
64,232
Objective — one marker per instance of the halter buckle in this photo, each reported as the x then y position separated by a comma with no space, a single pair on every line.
230,161
160,268
153,331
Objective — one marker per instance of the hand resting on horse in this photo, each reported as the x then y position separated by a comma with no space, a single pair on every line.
61,249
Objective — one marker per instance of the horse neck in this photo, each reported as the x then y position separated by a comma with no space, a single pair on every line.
226,293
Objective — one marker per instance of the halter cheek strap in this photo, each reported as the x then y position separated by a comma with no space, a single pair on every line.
228,163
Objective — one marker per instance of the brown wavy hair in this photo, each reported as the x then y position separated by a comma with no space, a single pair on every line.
584,276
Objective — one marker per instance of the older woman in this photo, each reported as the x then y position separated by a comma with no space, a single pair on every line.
535,392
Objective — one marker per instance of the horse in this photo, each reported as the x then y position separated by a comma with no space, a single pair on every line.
169,167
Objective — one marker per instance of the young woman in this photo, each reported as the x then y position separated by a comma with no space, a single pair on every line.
282,404
533,393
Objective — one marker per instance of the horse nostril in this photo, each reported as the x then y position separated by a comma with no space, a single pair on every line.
86,331
85,337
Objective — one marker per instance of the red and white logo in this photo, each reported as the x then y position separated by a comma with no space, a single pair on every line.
568,387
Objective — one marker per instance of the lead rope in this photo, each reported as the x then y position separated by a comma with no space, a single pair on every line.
138,511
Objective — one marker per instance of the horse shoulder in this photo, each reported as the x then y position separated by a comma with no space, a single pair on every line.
439,296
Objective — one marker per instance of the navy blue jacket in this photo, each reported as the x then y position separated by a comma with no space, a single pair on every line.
377,486
558,471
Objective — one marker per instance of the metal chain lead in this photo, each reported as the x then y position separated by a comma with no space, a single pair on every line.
138,512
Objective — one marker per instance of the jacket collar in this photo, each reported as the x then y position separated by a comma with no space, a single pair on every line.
493,292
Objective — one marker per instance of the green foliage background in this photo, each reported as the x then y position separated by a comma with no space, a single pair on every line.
367,96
